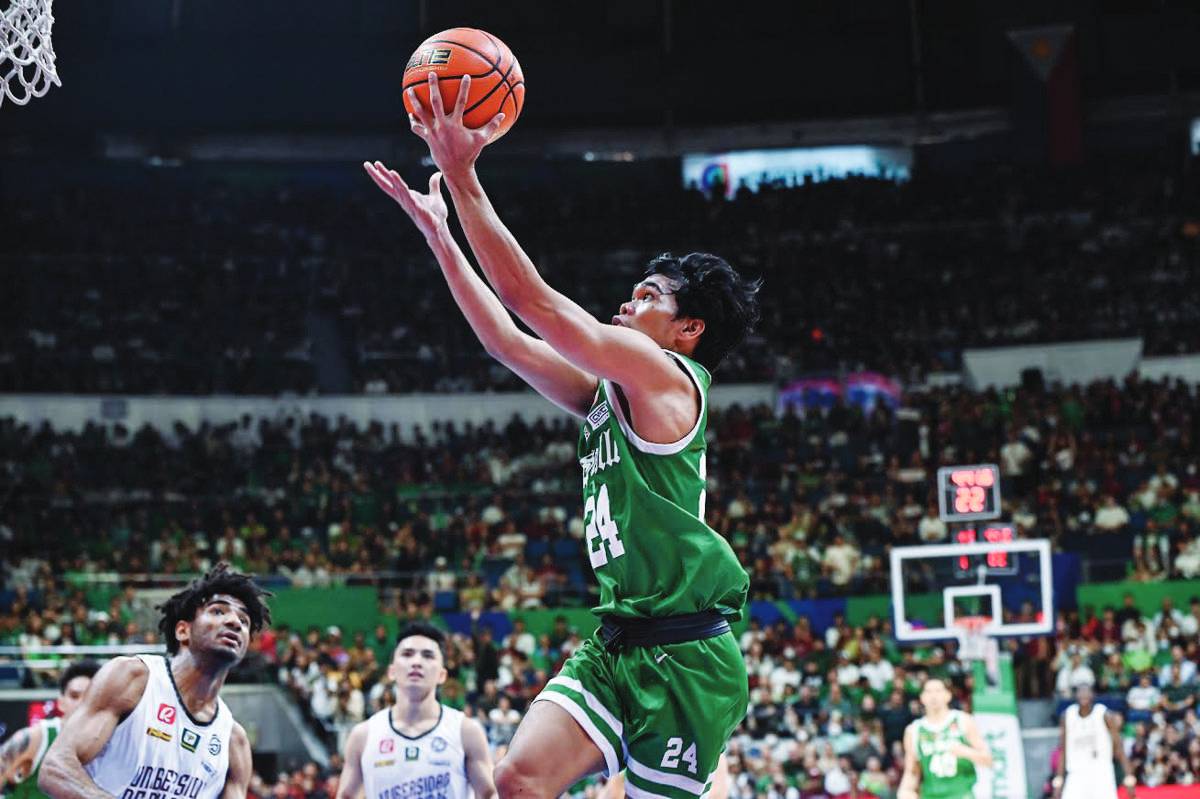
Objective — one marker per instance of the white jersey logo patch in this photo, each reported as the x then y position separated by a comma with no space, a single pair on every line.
598,416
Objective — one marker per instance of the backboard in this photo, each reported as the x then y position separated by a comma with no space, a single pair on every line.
1009,583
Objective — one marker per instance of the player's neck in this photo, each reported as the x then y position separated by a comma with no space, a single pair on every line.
198,683
415,712
937,717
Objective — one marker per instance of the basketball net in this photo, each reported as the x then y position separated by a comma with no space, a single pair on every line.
26,53
975,644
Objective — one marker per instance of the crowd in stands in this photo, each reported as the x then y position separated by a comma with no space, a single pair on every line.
488,516
205,283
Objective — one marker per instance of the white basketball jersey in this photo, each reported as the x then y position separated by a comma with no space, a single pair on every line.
430,766
1090,771
161,752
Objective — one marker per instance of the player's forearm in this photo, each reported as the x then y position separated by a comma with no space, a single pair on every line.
980,757
487,317
63,777
509,270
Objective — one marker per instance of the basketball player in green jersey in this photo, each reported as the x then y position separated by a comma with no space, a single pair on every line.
21,755
941,749
658,689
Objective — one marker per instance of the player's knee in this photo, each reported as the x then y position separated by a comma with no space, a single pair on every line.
515,778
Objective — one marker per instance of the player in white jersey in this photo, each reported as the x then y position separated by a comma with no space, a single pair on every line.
1090,739
418,748
154,726
21,755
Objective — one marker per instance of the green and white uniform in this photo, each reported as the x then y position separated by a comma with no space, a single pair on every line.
944,776
662,713
28,787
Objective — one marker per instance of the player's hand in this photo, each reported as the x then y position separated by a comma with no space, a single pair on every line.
452,144
961,751
906,793
427,211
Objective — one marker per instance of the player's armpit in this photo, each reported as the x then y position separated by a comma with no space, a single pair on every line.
350,782
241,767
17,754
479,760
114,693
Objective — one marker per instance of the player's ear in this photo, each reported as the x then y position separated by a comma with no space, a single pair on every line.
443,675
691,328
183,631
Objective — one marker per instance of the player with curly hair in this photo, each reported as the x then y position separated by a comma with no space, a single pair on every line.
153,726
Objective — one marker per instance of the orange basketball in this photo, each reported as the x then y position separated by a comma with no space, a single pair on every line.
497,84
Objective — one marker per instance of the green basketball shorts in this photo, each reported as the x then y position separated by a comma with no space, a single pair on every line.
661,713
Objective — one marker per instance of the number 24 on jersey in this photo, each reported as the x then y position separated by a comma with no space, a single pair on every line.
603,537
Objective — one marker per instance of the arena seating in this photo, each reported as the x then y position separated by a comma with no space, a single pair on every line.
239,290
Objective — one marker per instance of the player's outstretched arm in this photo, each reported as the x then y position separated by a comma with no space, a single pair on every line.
479,760
241,765
17,755
625,356
534,361
350,784
911,780
114,693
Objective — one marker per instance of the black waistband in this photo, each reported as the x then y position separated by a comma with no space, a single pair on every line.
619,632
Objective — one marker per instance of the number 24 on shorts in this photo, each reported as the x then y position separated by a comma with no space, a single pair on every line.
600,525
673,755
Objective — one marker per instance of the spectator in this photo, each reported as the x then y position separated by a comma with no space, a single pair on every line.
1142,698
1073,674
1110,517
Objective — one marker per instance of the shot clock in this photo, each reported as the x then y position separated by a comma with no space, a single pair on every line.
999,562
968,493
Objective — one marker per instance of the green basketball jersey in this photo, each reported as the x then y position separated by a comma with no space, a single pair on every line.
28,787
644,515
944,776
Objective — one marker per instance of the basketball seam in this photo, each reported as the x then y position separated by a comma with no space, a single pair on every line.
512,93
491,91
499,49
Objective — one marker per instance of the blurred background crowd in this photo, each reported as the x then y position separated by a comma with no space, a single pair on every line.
196,283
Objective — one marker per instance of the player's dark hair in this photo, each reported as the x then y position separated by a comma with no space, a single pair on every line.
80,668
220,579
425,630
712,290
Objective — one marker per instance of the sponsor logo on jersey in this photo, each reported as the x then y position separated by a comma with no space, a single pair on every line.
387,746
159,734
166,713
209,770
189,739
438,744
598,416
437,761
214,745
412,752
382,763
